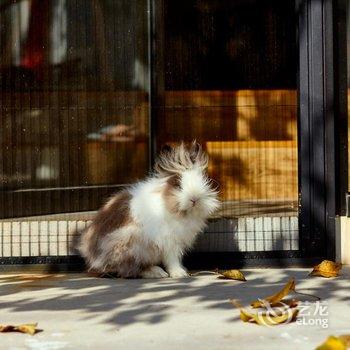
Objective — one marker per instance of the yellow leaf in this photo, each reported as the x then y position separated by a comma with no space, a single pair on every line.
326,269
244,315
269,318
23,328
333,343
291,303
5,328
346,339
27,328
276,298
232,275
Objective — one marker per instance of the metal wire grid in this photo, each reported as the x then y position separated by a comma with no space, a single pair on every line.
57,238
185,115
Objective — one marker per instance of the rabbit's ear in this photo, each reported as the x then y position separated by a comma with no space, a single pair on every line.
197,155
175,181
195,150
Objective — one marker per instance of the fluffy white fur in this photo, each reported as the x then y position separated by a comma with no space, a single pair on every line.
156,233
173,234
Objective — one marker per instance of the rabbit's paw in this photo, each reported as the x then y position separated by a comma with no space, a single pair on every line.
178,272
154,272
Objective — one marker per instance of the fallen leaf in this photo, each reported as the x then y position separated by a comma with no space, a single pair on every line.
29,328
333,343
346,339
291,303
326,269
232,275
276,298
244,315
269,318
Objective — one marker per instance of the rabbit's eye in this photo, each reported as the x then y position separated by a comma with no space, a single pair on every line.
175,181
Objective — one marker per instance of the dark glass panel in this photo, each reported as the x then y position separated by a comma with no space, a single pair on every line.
74,93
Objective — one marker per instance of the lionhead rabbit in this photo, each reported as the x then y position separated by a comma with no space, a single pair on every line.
155,221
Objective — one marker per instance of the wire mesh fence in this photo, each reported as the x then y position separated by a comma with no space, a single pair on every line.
88,86
59,237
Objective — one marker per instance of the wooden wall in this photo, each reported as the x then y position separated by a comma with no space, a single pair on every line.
250,135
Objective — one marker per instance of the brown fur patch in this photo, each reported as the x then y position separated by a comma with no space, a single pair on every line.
169,196
175,181
113,215
128,263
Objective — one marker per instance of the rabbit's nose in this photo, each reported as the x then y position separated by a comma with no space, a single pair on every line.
193,200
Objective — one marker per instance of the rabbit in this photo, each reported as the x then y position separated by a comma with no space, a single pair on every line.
155,221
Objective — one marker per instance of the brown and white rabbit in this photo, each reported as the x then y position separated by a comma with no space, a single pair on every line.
155,221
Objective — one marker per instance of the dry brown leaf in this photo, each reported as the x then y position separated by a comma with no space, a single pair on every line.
29,328
346,339
326,269
269,318
276,298
232,275
290,303
334,343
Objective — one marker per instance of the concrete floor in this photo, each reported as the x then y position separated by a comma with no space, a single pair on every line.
76,311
